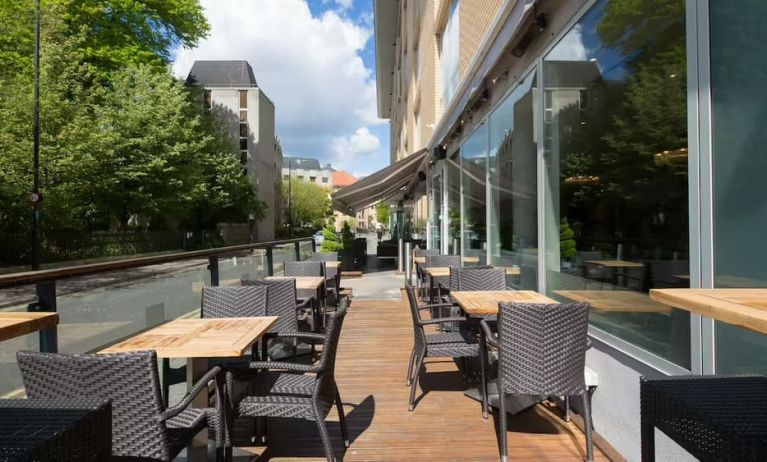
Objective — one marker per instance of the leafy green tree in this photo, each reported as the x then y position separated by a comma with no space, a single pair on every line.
567,248
308,203
383,212
330,240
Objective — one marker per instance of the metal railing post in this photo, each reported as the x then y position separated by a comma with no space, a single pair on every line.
270,261
46,301
213,268
408,263
298,250
314,246
400,251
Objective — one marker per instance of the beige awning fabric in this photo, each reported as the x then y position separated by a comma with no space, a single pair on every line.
391,182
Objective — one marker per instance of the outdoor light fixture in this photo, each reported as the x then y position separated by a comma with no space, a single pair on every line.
539,25
673,155
582,179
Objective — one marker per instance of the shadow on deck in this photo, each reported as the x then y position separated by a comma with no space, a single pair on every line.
446,425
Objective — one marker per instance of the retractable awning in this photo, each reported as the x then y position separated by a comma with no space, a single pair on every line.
391,182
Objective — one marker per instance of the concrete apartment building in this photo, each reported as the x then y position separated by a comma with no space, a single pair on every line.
307,170
230,87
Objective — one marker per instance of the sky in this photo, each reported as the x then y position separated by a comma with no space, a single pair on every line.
316,60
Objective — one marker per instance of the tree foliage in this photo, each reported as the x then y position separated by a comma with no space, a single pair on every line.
383,212
308,204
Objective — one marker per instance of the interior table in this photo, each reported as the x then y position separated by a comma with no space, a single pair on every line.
198,340
55,430
624,301
746,308
616,265
714,418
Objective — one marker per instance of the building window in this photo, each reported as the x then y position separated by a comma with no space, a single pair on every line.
243,115
449,54
473,179
300,178
243,143
617,202
244,157
325,179
243,130
207,99
313,179
243,99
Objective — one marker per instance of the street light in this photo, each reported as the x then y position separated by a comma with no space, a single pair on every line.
36,197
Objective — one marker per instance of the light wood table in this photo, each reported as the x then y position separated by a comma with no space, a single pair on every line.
745,308
469,259
303,282
615,263
332,264
18,323
444,271
198,340
624,301
477,303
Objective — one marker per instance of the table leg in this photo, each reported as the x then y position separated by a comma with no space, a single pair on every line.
195,369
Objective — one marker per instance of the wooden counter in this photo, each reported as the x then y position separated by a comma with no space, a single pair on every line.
18,323
746,308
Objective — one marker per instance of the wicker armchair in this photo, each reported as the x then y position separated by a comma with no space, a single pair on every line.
441,283
542,351
450,344
420,275
143,428
479,278
293,390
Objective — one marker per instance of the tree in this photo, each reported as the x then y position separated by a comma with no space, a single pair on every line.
567,248
308,203
383,212
330,240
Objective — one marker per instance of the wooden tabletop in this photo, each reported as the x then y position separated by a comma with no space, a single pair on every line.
615,263
615,300
199,338
332,264
486,302
18,323
442,271
465,259
741,307
303,282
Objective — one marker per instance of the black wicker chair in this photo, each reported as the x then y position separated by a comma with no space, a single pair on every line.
449,344
542,351
420,275
143,428
291,390
478,278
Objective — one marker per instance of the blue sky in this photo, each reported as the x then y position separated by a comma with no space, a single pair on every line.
316,60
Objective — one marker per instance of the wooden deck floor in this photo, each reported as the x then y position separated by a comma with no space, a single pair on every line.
445,425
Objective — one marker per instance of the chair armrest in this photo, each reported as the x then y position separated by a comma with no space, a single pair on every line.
305,303
435,305
198,387
279,365
309,335
489,334
440,321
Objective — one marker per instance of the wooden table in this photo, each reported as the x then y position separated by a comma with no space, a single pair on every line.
624,301
616,265
332,264
469,259
746,308
197,340
303,282
477,303
18,323
443,271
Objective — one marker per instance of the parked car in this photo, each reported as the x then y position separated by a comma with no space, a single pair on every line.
319,238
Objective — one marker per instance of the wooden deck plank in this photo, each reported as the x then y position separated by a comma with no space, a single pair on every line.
445,426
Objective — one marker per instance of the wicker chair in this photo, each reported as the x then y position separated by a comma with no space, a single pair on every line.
542,351
218,302
420,275
450,345
281,302
478,278
308,269
143,428
291,390
441,283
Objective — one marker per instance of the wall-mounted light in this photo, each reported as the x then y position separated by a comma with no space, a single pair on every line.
538,25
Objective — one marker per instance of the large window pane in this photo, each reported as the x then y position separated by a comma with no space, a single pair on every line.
454,204
513,231
739,92
473,179
615,142
436,211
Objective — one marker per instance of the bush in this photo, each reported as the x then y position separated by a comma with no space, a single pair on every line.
330,243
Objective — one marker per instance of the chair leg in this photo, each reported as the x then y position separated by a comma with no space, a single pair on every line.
410,367
342,419
483,372
325,437
295,349
165,380
264,431
502,435
587,424
414,383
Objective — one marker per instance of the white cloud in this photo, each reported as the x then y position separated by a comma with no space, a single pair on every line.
344,4
349,148
309,66
571,48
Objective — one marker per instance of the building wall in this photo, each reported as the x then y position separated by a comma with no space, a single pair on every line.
476,16
322,177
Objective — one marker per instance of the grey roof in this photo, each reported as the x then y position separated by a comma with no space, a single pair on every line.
304,163
572,74
222,74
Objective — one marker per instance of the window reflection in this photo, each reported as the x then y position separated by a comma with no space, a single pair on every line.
454,204
513,234
615,140
474,164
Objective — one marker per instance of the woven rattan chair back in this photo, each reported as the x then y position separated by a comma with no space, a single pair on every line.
280,302
454,271
304,268
443,260
479,279
419,336
233,301
129,380
326,381
542,348
426,252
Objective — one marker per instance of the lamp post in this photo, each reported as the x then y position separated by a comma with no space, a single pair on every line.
36,197
290,197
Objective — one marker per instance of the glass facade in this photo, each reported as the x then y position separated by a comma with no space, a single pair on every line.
738,90
512,173
474,193
615,144
453,186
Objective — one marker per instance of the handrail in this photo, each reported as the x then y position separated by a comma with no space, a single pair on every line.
33,277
